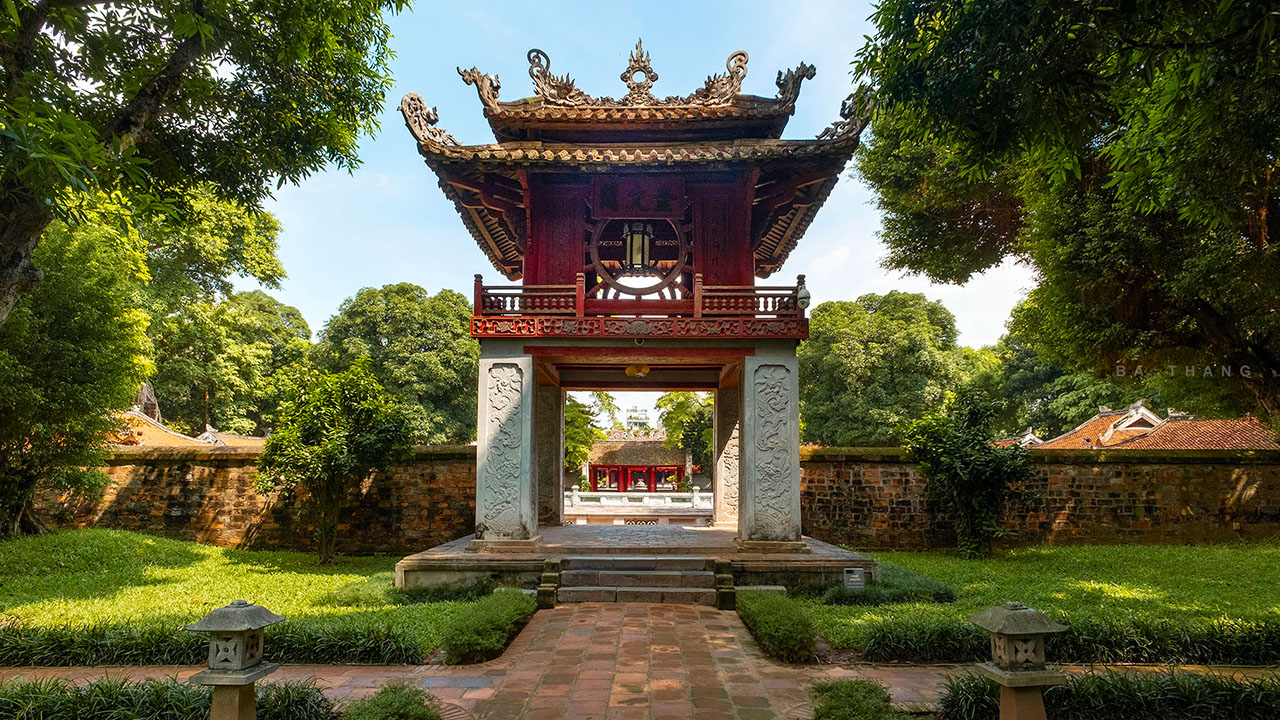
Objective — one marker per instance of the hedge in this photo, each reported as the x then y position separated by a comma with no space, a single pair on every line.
150,700
853,700
1125,696
783,626
483,631
394,702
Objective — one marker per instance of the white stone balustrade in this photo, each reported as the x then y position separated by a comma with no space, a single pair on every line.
692,500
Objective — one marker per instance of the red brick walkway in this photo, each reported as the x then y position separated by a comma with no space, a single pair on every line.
604,661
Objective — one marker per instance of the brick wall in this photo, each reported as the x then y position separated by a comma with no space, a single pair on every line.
873,499
208,495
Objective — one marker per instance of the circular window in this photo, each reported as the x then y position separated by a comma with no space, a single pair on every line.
639,249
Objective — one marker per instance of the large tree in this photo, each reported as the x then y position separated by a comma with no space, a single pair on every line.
156,98
873,363
72,353
421,350
1126,151
687,419
220,363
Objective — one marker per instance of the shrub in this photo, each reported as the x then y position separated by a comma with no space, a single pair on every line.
924,639
394,702
482,631
897,585
853,700
783,626
150,700
1121,696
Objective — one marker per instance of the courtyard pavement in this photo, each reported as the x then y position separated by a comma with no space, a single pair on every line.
604,661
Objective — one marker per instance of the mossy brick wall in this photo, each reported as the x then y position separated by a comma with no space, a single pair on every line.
872,498
208,495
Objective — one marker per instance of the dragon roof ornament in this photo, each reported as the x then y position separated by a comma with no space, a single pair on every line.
421,121
721,89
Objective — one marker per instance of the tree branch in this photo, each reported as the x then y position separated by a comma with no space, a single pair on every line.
19,56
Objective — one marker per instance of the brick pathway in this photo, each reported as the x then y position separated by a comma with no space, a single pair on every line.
604,661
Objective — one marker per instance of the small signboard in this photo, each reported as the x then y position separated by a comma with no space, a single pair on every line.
855,579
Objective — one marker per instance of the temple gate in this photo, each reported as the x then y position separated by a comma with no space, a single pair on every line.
636,229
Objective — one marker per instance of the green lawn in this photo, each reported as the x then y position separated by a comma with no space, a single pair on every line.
116,578
1177,585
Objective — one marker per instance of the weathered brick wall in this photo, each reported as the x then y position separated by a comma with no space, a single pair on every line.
874,499
208,495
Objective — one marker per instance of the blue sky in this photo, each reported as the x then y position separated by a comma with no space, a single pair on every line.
388,221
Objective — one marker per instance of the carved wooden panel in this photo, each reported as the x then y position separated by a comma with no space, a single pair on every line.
542,326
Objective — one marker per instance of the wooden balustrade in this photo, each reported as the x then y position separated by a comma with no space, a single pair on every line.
703,301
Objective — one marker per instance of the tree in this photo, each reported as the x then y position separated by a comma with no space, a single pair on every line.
73,352
580,433
687,418
334,430
219,363
875,362
158,98
421,350
967,477
1125,151
603,404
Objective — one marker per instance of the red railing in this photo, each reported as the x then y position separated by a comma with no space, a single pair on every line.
700,301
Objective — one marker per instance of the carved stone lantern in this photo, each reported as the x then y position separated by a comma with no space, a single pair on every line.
1018,658
235,657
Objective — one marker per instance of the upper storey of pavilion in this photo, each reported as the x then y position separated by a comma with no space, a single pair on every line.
715,134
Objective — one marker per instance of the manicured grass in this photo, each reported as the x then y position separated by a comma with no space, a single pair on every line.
1218,603
126,585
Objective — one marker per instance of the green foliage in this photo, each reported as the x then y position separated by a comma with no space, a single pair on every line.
419,347
968,479
1124,152
853,700
783,626
150,700
1125,696
873,363
73,352
688,419
604,404
394,702
334,430
487,627
580,433
896,585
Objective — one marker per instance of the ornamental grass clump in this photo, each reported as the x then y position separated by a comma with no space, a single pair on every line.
150,700
1125,696
483,630
783,626
394,702
853,700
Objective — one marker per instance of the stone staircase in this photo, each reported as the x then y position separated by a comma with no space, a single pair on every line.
679,579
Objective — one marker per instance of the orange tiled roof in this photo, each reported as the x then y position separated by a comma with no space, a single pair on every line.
1246,433
1086,434
142,430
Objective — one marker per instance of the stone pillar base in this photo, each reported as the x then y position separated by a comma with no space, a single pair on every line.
233,702
505,546
772,546
1022,703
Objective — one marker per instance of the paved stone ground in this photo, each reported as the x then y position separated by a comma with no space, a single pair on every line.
604,661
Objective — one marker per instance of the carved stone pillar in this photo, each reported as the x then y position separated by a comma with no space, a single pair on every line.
506,497
548,448
769,509
727,431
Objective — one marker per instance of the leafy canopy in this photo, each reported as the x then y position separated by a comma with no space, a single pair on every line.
73,352
334,429
688,420
420,349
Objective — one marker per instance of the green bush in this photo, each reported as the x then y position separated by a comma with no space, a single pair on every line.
482,631
149,700
853,700
371,641
1121,696
923,639
896,585
394,702
783,626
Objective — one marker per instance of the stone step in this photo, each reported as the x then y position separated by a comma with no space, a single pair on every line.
638,578
674,596
636,562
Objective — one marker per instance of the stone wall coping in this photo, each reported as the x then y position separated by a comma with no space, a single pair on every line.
1060,456
132,454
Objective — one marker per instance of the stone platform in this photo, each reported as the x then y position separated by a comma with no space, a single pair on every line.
462,562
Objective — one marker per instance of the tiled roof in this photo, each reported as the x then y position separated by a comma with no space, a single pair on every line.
635,452
142,430
1086,434
1246,433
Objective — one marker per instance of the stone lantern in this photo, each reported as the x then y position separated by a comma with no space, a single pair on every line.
235,657
1018,658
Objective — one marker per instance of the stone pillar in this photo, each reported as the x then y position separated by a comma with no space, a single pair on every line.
769,492
506,496
727,442
548,448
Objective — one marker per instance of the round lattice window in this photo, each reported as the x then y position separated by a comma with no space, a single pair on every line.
639,249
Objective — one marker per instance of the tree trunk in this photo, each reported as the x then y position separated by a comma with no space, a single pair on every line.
21,227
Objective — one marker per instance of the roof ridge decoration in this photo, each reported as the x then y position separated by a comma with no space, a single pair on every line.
422,119
720,89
